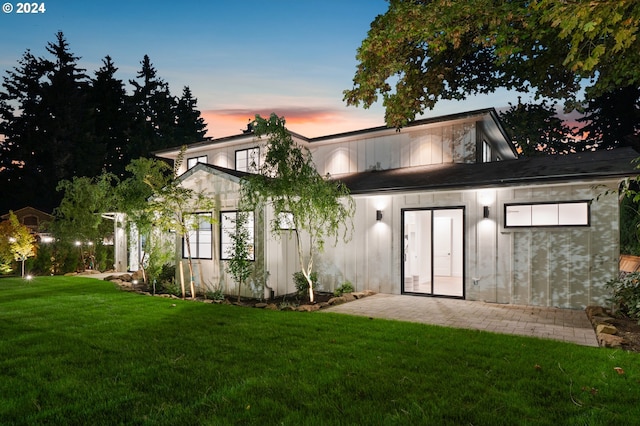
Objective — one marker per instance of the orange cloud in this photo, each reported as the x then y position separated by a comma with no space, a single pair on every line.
309,122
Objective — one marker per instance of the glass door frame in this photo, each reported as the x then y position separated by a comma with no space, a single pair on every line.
403,254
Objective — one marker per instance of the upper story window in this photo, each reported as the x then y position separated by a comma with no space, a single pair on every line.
248,160
486,152
191,162
571,213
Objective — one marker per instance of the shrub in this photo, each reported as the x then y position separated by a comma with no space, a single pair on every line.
216,294
345,287
167,273
301,283
626,294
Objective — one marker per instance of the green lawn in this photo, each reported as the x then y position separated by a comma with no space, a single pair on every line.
78,351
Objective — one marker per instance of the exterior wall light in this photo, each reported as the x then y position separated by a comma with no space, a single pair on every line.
485,212
378,215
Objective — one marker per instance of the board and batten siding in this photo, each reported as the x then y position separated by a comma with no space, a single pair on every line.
445,143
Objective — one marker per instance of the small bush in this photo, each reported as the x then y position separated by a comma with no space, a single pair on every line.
301,283
626,294
216,294
345,287
167,273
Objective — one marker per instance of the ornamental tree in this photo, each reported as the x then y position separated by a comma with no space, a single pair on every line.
22,244
288,181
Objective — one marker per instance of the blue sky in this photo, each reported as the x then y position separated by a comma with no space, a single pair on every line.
292,57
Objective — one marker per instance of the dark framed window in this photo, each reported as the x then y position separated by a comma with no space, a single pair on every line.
200,236
227,229
248,160
191,162
528,215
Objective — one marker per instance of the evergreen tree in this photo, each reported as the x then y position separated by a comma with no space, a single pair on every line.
68,149
153,113
111,122
21,109
190,126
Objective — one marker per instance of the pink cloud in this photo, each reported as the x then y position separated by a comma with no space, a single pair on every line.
309,122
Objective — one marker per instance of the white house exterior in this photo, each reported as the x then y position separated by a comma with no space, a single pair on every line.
444,207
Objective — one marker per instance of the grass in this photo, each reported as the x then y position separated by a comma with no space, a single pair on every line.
78,351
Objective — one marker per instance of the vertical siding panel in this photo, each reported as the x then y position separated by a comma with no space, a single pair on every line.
521,255
540,252
447,144
559,265
436,145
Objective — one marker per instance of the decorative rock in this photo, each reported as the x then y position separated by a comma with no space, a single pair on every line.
261,305
308,308
349,297
594,310
337,300
606,329
271,307
610,341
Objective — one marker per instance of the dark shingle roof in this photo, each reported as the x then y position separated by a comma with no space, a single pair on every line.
557,168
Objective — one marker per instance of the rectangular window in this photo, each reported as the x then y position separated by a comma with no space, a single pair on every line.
486,152
227,229
200,236
571,213
248,160
191,162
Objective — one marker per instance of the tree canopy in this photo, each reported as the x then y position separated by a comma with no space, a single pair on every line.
56,122
289,182
422,51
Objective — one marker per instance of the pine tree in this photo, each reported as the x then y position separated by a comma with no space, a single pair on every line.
190,126
107,98
153,111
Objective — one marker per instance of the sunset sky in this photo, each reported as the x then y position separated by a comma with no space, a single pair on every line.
240,58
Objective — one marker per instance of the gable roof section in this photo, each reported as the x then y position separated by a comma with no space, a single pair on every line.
230,174
545,169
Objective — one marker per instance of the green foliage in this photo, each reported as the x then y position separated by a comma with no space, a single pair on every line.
217,294
16,244
289,182
626,294
240,265
421,52
536,129
302,284
629,226
345,287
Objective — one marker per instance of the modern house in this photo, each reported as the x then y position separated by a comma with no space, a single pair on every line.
444,207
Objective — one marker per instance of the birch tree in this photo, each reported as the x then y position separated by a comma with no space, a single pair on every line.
288,181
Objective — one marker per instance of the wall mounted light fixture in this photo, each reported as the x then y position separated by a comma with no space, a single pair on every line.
378,215
485,212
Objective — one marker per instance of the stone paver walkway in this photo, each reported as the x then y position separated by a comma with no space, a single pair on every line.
568,325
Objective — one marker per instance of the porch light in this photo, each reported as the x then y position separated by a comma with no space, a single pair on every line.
485,212
378,215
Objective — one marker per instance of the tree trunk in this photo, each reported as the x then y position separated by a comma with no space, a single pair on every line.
182,277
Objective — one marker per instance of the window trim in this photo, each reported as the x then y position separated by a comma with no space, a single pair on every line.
580,224
252,242
196,244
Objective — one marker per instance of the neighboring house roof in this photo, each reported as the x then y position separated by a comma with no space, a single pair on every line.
543,169
30,217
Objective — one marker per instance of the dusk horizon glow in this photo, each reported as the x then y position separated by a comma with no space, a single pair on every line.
291,58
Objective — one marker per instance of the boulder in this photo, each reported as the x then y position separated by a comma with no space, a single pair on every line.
610,341
606,329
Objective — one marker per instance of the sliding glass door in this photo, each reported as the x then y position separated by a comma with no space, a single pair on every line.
433,252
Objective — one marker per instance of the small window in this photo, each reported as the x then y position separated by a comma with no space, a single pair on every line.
227,228
572,213
486,152
191,162
200,236
248,160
